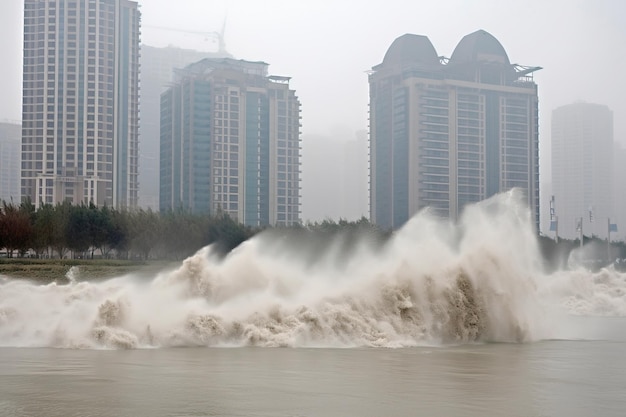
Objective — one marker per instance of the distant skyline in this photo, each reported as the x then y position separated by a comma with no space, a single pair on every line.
582,173
579,44
327,48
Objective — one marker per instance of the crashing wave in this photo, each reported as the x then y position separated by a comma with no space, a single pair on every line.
432,283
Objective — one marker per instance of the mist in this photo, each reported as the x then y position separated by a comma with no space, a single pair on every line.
432,283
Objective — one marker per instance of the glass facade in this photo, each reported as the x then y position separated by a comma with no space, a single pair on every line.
434,151
235,138
471,146
448,133
382,182
10,138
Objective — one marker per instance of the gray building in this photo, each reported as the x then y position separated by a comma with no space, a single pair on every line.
80,115
157,74
230,142
582,168
10,145
445,133
618,213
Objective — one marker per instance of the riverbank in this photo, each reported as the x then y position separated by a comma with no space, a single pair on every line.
56,270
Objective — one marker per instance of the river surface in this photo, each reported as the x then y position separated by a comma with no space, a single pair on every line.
549,378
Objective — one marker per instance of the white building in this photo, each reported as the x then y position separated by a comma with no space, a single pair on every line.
80,115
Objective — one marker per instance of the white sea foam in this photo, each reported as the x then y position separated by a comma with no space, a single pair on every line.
433,283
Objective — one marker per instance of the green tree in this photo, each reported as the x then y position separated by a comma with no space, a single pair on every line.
225,234
78,231
145,230
43,229
28,210
15,228
182,233
99,227
60,222
118,234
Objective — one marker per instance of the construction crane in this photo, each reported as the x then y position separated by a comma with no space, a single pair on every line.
219,36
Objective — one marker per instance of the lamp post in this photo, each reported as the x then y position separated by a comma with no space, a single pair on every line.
611,227
608,241
579,228
554,220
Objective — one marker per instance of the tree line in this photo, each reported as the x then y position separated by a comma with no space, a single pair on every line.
86,231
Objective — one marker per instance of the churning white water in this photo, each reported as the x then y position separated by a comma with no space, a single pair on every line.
433,283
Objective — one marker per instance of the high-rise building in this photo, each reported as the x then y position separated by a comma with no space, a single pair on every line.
80,114
445,133
582,168
618,213
157,74
10,135
230,142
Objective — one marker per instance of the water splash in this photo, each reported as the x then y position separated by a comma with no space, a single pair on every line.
433,283
72,274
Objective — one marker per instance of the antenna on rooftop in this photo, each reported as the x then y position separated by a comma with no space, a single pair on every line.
220,37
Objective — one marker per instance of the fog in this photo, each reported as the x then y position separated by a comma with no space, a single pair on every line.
327,47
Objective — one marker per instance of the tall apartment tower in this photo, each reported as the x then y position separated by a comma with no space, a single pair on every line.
157,74
230,142
10,138
445,133
80,115
582,168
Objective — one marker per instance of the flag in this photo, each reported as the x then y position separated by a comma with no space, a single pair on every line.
553,226
612,227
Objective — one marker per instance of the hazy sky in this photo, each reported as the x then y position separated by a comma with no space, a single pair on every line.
328,45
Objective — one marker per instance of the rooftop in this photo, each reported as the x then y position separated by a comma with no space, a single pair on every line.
479,49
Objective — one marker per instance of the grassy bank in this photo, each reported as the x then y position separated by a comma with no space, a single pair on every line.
50,270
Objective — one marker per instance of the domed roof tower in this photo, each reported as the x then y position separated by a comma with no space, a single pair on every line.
480,57
479,46
409,50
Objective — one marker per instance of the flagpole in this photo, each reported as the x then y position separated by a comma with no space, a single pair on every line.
581,232
608,240
554,220
556,230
